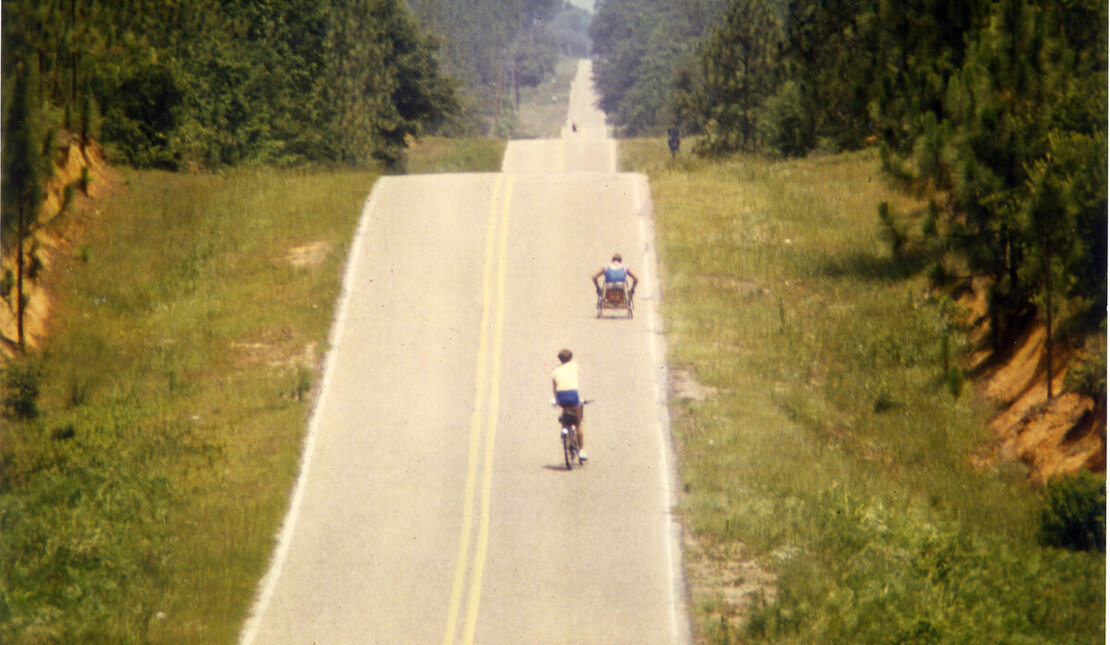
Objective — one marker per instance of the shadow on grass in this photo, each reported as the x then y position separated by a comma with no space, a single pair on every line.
872,268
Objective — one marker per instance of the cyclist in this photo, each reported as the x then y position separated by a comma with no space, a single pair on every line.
564,383
616,277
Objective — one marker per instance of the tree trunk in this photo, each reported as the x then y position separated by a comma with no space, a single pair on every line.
516,88
21,232
73,53
1048,315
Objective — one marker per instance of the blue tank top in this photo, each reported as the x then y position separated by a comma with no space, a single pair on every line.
615,275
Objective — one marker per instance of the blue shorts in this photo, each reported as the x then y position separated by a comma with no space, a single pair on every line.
567,397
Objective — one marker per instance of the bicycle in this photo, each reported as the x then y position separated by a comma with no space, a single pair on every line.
569,434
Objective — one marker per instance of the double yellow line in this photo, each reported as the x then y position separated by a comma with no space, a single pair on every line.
487,385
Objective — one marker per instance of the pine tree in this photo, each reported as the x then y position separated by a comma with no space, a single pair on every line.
741,72
24,174
1008,104
832,61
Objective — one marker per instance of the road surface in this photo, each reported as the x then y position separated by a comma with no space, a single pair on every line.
433,506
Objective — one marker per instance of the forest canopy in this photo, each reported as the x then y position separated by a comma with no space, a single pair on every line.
217,82
222,82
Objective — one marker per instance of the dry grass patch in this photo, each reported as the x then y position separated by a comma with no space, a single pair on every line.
309,256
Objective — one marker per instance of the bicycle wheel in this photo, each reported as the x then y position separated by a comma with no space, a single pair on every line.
566,450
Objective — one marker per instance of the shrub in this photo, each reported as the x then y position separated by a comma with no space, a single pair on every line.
6,284
894,234
304,381
1074,512
1088,377
784,124
954,382
21,389
68,193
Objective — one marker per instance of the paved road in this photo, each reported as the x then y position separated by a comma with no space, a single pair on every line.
433,507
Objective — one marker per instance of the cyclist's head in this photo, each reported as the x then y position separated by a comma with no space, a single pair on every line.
617,257
565,355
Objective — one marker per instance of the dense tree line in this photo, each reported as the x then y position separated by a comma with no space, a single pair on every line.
214,82
208,83
642,49
995,109
496,47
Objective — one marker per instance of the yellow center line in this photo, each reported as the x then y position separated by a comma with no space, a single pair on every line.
475,420
491,429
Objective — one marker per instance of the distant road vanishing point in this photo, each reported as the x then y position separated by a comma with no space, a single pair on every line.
432,505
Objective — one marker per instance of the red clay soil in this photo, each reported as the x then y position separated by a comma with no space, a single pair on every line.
1059,436
52,235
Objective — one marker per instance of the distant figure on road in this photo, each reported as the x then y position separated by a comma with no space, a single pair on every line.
564,383
574,127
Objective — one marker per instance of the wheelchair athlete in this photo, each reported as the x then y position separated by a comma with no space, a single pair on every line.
616,277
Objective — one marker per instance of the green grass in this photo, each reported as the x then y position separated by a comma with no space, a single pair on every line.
832,458
141,505
442,155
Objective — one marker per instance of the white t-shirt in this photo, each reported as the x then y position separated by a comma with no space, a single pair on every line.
566,376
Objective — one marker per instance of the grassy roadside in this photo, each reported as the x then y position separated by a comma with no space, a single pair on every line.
141,504
189,326
442,155
827,481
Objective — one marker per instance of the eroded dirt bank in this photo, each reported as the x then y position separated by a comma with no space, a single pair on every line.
82,177
1059,436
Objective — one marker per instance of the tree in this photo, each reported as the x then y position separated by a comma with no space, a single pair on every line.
420,95
25,170
741,72
829,54
640,47
1027,111
224,82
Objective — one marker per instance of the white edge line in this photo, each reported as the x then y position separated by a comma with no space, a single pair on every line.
681,633
285,535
